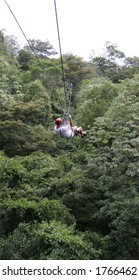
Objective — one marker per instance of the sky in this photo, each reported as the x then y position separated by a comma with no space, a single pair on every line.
84,25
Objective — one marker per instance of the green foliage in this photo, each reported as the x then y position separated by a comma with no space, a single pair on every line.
24,59
75,199
114,65
46,241
18,138
76,70
123,241
94,100
14,212
40,48
111,175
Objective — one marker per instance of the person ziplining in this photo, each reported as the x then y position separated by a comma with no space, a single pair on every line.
66,129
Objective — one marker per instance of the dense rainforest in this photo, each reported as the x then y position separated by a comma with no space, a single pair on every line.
76,199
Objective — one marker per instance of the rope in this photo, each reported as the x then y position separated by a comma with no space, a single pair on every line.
70,94
61,58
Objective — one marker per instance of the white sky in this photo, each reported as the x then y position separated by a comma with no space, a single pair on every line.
84,25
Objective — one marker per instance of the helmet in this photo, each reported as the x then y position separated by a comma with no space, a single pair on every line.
58,121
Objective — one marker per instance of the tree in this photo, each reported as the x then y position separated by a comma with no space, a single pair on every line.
94,99
102,65
14,212
24,58
46,241
75,71
10,81
112,52
110,63
12,45
123,241
40,48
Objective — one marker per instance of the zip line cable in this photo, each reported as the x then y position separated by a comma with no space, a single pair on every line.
70,94
22,30
61,57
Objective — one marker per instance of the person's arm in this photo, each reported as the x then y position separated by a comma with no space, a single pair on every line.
70,119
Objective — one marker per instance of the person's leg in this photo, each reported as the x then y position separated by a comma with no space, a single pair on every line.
79,130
